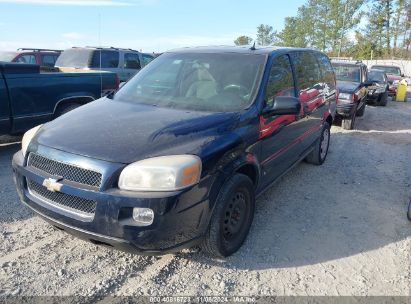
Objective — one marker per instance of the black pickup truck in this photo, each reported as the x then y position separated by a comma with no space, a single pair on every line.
29,98
352,86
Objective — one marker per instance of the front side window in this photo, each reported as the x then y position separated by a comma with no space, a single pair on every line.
132,61
350,73
27,59
280,82
105,59
215,82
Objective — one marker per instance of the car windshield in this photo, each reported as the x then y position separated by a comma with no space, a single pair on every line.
392,70
376,76
7,56
216,82
347,72
74,58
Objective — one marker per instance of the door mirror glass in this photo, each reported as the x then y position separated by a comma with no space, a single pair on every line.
284,105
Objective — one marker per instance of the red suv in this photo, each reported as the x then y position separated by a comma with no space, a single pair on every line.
43,57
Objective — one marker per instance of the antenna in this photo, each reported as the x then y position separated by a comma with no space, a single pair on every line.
253,47
99,43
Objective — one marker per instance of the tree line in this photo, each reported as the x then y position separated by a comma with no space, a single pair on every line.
362,29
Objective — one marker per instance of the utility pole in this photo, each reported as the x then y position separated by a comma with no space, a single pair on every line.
343,28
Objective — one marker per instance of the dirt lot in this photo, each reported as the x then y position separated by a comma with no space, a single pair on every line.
338,229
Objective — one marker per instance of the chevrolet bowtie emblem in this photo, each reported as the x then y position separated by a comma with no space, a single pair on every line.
52,185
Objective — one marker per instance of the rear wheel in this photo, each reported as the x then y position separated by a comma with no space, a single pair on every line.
232,217
360,111
319,154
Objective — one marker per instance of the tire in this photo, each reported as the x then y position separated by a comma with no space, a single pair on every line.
360,111
320,152
67,108
409,211
226,234
348,123
383,100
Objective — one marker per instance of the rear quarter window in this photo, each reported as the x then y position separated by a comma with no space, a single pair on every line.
307,70
108,59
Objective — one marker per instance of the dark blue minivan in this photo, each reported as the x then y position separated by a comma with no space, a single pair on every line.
178,155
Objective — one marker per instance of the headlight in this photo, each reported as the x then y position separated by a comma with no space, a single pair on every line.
345,96
164,173
380,90
395,82
28,136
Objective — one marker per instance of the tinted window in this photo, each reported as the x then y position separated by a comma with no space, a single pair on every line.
308,73
281,82
327,71
108,59
347,72
216,82
132,61
49,60
376,76
147,59
27,59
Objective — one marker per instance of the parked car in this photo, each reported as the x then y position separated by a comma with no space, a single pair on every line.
125,62
29,98
45,58
394,75
378,87
178,155
351,84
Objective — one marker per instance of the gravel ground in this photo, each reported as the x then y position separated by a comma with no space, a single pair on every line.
337,229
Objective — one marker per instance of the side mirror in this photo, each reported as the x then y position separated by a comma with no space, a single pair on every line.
284,105
402,75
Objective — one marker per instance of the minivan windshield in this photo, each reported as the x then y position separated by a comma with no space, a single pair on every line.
216,82
392,70
74,58
347,72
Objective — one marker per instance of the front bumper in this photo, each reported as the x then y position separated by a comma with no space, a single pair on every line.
181,217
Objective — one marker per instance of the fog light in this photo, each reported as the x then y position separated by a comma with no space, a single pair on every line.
143,216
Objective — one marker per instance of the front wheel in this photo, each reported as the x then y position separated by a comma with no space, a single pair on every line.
319,154
384,99
232,217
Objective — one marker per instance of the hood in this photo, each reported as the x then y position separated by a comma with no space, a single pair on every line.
123,132
347,86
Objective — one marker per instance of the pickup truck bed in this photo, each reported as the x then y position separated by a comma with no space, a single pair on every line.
29,98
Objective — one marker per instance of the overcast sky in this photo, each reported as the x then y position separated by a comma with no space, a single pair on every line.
150,25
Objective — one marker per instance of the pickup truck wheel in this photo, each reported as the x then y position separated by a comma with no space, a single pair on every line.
319,154
360,112
348,123
66,108
232,217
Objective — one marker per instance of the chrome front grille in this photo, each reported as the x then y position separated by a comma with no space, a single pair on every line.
74,204
65,171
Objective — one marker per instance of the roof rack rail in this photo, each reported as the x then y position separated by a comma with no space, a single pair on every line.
111,47
38,50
